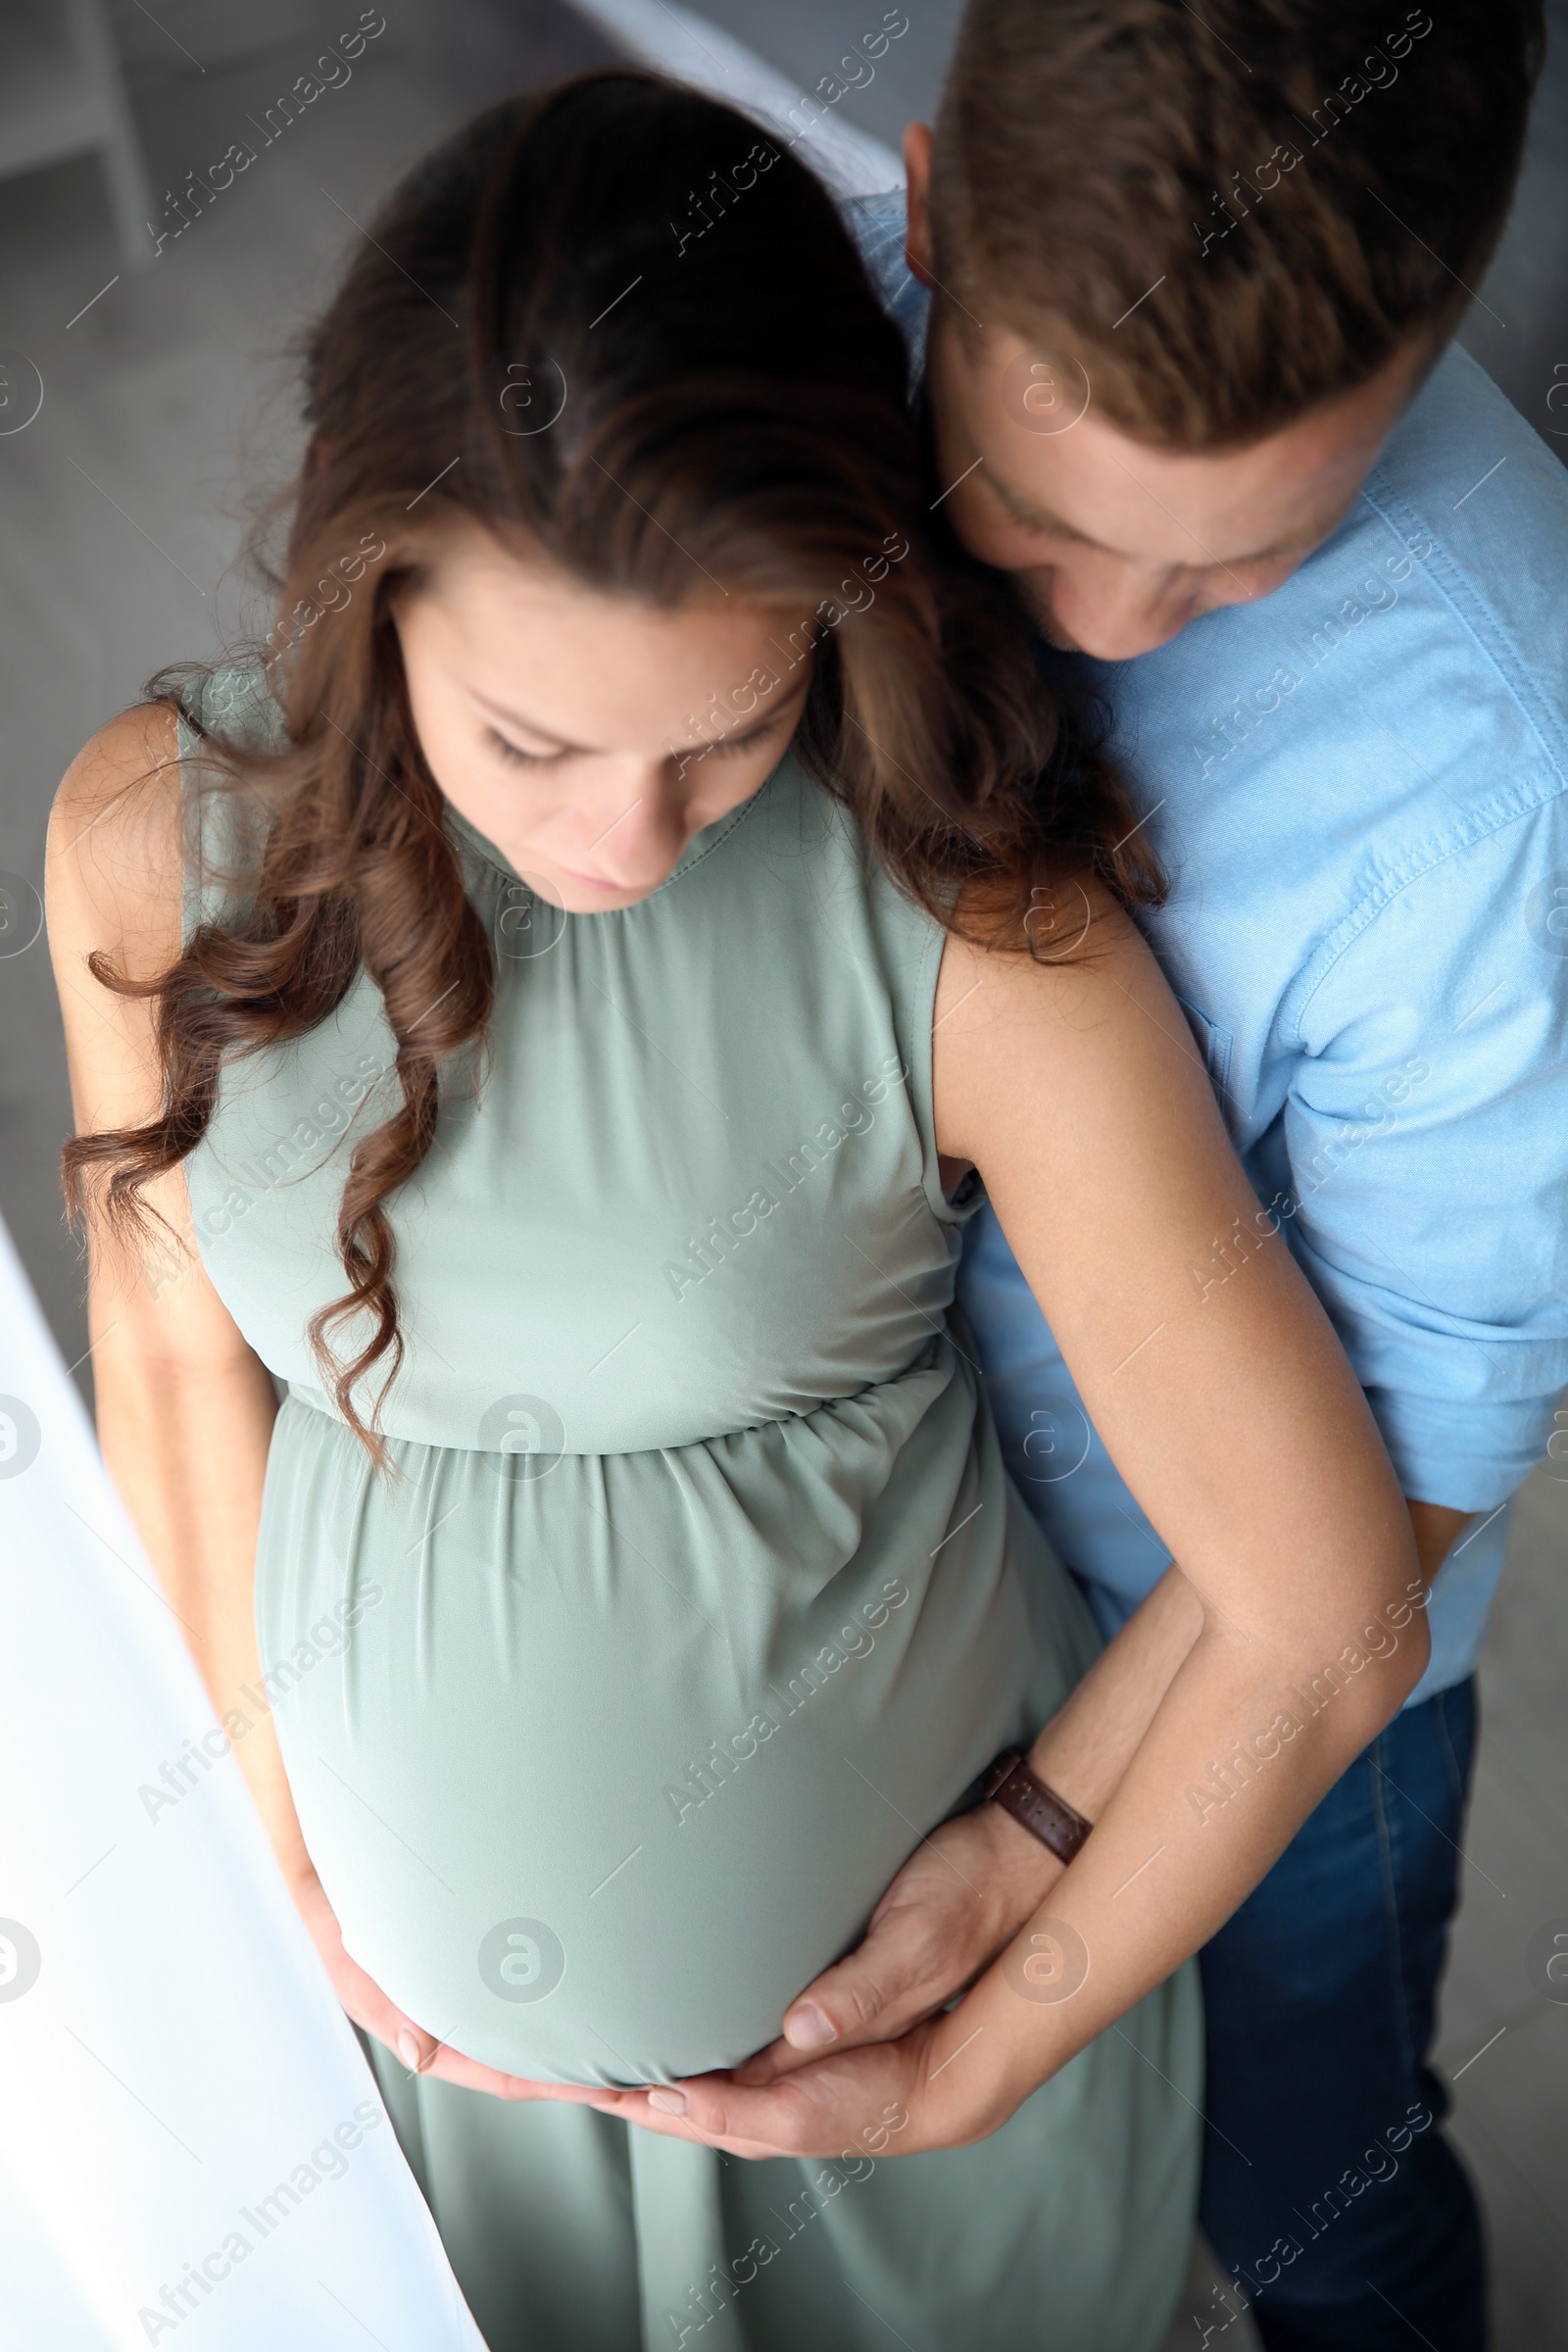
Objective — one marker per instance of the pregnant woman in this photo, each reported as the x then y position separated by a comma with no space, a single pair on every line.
552,1015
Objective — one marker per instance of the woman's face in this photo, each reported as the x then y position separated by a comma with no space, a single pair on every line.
590,736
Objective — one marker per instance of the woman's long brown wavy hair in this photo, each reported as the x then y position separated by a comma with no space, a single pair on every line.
733,407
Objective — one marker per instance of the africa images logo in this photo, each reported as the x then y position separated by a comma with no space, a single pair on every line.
521,1960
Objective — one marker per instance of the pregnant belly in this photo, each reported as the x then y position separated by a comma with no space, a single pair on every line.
600,1768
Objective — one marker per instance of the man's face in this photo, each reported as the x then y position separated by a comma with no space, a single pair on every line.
1118,544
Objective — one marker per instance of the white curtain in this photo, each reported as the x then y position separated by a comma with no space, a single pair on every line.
192,2149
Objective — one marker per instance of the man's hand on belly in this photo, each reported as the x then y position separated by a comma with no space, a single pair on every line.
968,1889
961,1896
854,2065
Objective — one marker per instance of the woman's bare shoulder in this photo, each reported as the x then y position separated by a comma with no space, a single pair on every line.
1075,1033
114,867
1075,943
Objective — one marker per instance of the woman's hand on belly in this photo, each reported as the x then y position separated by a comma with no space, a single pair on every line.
367,2005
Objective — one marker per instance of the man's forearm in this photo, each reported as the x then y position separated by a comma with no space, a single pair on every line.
1238,1753
1436,1525
1089,1742
1086,1746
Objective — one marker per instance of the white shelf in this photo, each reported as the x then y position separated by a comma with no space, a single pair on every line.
46,111
61,95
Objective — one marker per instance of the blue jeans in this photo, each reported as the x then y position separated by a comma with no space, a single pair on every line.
1328,2184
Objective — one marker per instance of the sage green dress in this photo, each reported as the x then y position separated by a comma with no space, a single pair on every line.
699,1595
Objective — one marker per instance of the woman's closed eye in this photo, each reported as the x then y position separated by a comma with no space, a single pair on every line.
514,752
726,747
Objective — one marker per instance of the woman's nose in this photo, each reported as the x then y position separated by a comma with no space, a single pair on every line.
640,828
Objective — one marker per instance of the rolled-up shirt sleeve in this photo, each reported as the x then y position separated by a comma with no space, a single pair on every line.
1420,1163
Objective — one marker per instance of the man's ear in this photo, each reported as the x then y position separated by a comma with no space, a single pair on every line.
917,176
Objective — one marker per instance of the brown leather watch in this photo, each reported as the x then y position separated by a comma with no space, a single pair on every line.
1011,1783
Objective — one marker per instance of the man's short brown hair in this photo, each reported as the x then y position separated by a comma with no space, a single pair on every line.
1228,215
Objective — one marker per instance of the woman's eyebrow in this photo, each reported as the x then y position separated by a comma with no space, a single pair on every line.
760,720
763,716
518,718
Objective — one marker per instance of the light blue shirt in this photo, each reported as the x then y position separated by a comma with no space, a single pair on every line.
1358,787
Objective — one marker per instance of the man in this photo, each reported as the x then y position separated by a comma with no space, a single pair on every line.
1190,281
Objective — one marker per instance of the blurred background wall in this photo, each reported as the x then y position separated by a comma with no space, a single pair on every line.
167,405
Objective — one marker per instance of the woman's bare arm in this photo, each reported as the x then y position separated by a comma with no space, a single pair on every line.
185,1407
1235,1419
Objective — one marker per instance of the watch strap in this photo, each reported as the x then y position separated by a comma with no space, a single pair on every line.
1011,1783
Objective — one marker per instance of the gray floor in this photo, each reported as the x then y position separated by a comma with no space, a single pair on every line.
121,509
